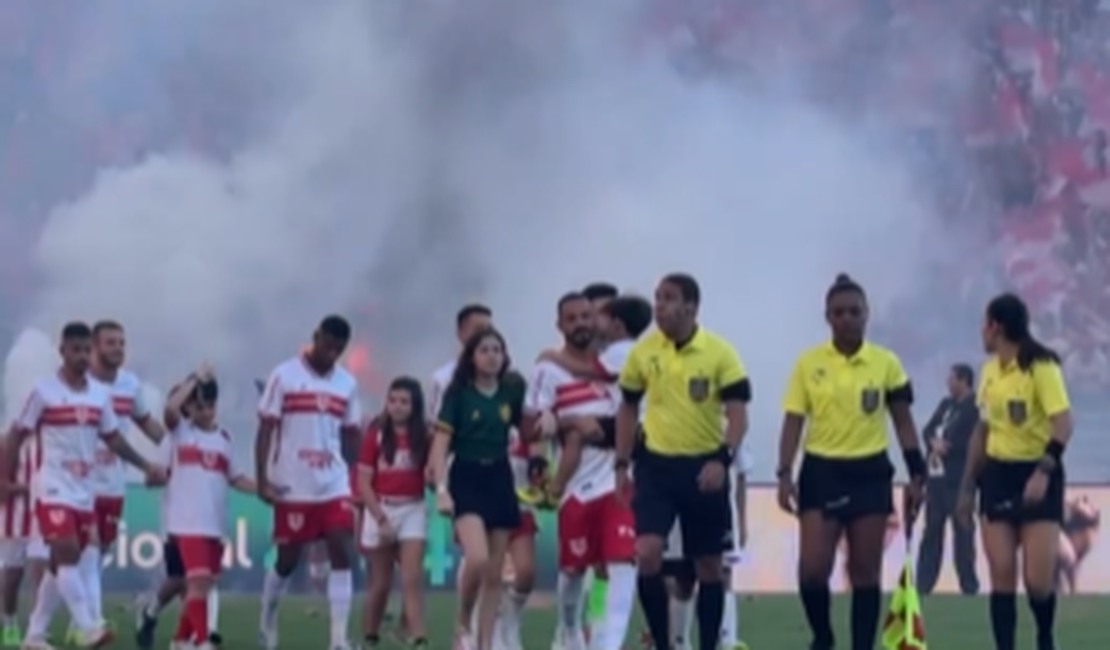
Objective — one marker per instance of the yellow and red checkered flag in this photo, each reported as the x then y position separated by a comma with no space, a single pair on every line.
904,625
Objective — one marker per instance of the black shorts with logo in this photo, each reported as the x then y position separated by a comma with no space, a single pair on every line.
666,490
1002,490
485,488
845,489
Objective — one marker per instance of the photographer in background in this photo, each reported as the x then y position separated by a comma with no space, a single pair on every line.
946,438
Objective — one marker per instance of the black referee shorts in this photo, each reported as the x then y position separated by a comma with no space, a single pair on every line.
667,490
845,489
1002,490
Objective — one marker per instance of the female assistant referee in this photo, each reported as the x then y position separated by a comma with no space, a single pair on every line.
1015,462
840,393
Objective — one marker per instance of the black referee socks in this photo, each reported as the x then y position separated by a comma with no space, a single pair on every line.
866,605
817,602
654,603
1004,620
1043,607
711,613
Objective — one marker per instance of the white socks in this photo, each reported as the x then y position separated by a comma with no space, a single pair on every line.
89,566
569,591
339,605
213,609
273,586
682,617
72,588
620,598
729,634
511,610
46,603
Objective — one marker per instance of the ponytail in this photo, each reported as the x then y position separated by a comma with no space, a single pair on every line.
1030,351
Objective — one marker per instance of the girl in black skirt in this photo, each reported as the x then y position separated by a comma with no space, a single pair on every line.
479,409
1015,464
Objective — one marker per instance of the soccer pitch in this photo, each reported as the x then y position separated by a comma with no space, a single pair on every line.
767,623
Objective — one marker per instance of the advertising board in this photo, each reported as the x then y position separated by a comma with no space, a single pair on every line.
770,565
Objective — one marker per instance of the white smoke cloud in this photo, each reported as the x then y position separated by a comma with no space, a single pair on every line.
418,157
31,358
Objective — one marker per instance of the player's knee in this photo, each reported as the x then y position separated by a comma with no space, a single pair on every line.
708,568
199,585
813,571
649,555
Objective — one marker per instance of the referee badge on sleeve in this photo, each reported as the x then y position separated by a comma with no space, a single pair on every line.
1017,411
869,400
698,388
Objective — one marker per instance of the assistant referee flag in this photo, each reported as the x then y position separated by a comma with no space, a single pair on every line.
904,626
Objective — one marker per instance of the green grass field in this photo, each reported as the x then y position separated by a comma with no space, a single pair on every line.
767,623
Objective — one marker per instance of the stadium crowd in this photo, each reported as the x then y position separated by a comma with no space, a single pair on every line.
1004,102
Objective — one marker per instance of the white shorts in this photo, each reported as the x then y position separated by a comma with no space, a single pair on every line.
37,548
13,553
409,520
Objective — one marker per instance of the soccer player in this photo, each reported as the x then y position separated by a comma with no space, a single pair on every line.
840,393
309,405
1016,459
595,524
391,485
109,478
687,375
16,516
480,407
202,466
65,415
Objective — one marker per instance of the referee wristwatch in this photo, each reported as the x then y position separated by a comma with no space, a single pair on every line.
621,464
726,455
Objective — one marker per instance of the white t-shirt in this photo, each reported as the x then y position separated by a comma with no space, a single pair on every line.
202,466
311,412
441,379
67,426
109,475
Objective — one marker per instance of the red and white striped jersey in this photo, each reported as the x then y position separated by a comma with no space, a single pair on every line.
16,513
554,389
311,412
202,466
109,476
66,424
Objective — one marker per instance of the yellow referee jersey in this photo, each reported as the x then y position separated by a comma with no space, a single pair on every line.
682,388
844,399
1016,405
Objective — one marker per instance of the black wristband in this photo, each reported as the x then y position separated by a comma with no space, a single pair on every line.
1055,449
783,472
620,464
725,455
915,462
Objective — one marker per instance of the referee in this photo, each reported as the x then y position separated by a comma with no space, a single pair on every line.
687,375
1015,459
840,392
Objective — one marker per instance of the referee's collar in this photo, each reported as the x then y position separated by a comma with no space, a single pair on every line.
694,342
862,355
